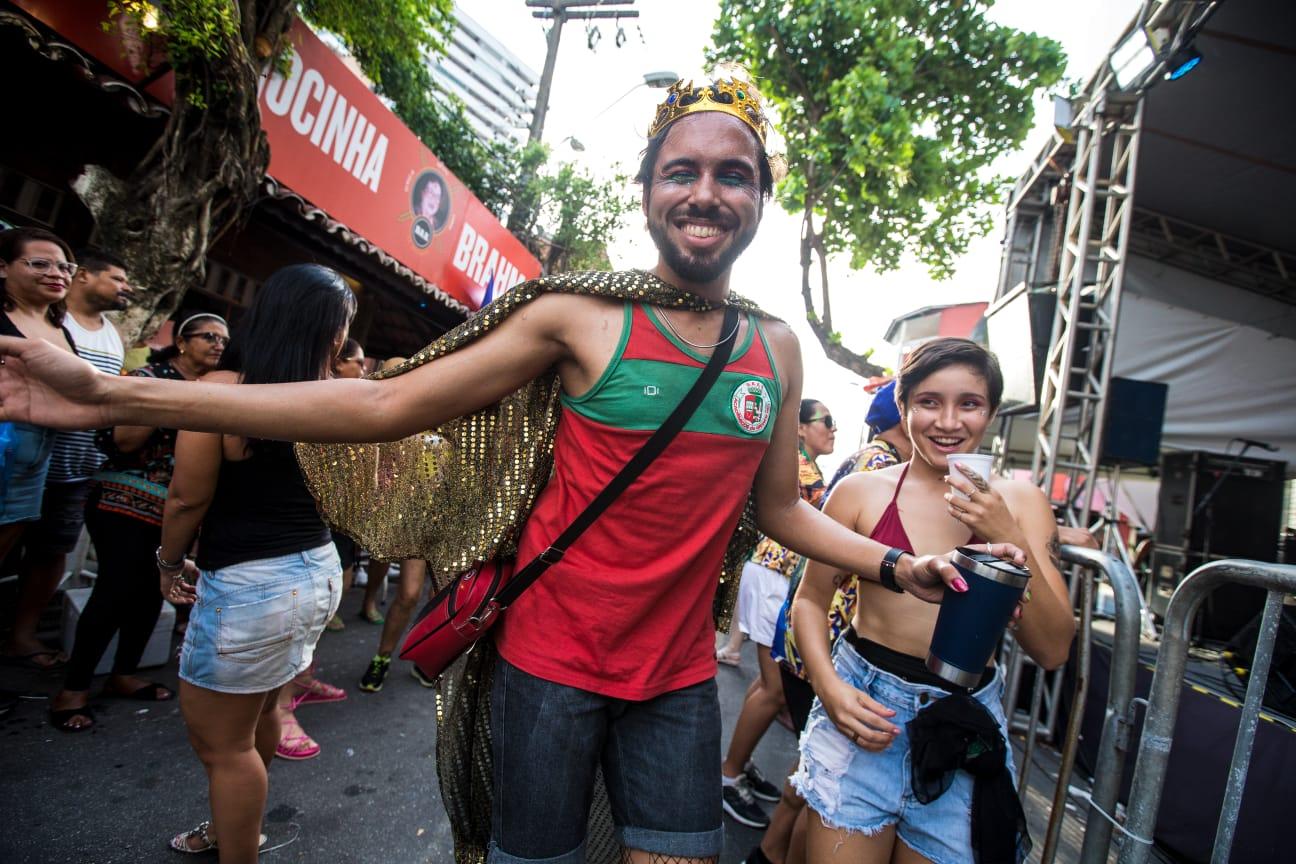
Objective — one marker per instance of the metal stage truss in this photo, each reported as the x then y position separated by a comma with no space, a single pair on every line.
1090,170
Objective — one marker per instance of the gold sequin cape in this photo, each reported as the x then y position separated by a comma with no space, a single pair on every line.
459,494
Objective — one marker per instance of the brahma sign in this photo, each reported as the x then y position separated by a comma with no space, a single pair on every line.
336,144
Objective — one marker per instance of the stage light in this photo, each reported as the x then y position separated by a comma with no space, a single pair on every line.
1133,57
1182,62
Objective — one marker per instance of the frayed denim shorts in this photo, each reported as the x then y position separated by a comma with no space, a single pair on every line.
254,625
858,790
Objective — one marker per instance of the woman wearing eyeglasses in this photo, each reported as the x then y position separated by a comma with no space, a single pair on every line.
36,269
760,598
124,516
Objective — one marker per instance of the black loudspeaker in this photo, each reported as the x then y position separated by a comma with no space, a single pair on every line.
1213,506
1132,426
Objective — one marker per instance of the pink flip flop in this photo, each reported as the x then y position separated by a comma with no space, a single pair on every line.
318,691
296,747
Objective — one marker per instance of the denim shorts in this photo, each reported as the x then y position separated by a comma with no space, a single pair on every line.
254,625
27,460
858,790
660,760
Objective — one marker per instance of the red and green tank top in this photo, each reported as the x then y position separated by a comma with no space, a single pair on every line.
627,612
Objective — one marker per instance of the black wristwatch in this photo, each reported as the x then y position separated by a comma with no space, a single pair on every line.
886,570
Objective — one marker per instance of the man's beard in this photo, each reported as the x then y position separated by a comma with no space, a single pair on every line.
691,268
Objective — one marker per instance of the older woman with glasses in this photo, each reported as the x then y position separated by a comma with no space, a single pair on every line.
36,268
124,515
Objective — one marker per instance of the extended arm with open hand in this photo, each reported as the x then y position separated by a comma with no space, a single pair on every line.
48,387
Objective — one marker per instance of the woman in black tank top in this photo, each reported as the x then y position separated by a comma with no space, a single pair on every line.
267,577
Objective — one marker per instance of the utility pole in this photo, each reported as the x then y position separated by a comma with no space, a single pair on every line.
559,12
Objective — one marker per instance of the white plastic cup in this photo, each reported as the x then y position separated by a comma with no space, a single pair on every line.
979,463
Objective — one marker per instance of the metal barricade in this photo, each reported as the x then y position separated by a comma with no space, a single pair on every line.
1163,705
1120,693
1118,714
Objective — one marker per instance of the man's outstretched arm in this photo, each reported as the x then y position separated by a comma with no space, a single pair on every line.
41,387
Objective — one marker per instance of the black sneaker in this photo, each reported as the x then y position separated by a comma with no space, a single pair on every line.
420,677
738,802
756,856
759,786
376,674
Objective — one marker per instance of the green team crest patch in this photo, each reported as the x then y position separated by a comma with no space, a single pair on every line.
751,405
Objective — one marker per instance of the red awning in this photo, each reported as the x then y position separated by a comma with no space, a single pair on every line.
336,145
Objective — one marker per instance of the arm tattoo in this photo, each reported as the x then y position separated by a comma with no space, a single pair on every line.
1055,551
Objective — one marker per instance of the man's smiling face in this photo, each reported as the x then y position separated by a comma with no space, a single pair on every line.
704,202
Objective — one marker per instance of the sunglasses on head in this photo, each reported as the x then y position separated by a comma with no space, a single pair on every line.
827,420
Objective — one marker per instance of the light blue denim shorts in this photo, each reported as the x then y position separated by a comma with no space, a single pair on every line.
858,790
22,480
254,625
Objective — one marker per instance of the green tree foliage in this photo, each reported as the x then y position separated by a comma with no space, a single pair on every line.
394,41
207,165
893,111
574,215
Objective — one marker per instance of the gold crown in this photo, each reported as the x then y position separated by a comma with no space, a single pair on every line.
728,95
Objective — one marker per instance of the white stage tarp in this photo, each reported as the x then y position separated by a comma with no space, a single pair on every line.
1226,355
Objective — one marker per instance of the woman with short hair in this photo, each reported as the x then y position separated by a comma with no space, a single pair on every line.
856,753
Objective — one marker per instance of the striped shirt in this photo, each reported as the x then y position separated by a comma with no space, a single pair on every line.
75,456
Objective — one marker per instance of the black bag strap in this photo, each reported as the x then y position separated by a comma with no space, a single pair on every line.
650,450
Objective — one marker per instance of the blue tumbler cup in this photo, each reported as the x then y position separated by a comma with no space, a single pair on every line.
970,625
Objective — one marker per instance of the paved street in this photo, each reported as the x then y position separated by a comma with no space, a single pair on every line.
116,793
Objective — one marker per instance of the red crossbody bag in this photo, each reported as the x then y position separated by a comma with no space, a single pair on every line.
462,612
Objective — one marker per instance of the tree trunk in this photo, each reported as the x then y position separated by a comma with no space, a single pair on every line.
199,178
812,247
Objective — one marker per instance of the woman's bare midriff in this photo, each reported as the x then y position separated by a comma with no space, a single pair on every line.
898,621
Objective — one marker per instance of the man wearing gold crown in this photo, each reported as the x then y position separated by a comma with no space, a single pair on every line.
530,407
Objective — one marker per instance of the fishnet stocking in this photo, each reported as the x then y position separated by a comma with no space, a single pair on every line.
637,856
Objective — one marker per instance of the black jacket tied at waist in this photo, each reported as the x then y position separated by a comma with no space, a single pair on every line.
957,732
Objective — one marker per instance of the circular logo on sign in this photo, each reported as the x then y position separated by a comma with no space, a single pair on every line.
421,233
751,405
